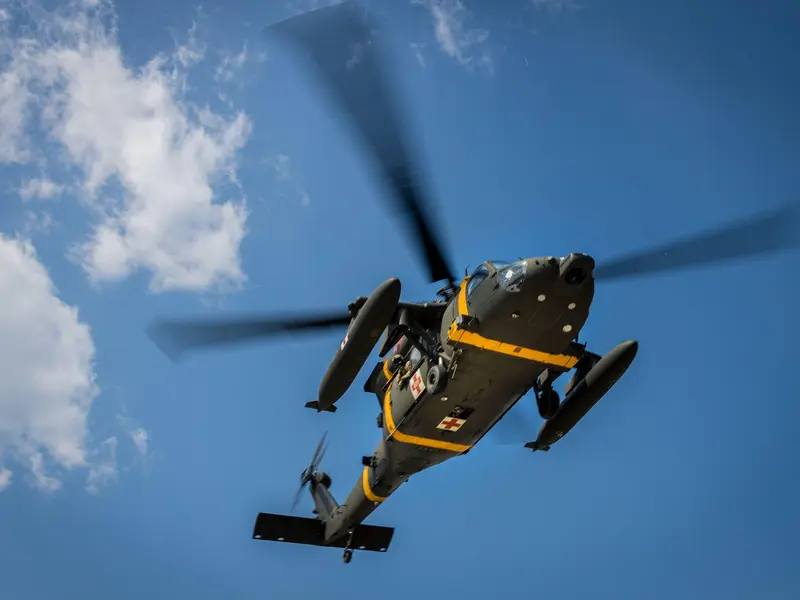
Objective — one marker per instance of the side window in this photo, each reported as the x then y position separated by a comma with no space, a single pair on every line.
415,355
478,275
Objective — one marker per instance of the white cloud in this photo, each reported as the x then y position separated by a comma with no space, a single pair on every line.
140,439
42,480
151,163
282,164
465,45
5,478
104,469
39,188
14,100
47,380
231,65
36,222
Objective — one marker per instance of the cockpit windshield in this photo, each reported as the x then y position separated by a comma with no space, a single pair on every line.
499,264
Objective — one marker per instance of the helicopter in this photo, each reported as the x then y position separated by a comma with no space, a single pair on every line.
450,368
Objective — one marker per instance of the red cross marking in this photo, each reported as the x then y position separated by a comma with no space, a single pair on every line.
415,384
450,423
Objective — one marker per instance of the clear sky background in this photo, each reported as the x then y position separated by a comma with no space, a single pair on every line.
157,158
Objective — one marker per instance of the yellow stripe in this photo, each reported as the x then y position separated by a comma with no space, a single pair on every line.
371,496
478,341
413,439
462,298
386,371
473,339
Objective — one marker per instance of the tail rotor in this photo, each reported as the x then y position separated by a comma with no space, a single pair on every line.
310,471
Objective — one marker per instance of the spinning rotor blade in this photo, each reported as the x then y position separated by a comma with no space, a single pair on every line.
176,337
337,40
296,500
760,234
318,454
316,459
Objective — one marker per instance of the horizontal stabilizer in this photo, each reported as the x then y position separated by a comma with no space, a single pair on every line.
315,405
301,530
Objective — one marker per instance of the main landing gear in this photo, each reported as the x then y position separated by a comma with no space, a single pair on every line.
547,399
548,402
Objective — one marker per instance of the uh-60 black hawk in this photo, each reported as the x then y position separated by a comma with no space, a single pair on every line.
451,368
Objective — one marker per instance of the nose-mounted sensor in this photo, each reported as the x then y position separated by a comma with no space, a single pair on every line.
575,268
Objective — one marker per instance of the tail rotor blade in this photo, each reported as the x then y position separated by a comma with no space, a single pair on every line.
316,459
318,454
296,500
321,456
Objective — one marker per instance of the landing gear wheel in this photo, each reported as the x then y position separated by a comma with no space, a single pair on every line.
548,403
347,556
379,420
436,379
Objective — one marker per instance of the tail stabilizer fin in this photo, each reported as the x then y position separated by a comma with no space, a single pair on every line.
311,532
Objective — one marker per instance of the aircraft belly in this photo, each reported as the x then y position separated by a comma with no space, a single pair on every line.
471,403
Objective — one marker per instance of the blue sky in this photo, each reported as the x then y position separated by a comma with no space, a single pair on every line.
160,158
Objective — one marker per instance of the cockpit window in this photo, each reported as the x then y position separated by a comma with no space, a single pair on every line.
481,273
499,264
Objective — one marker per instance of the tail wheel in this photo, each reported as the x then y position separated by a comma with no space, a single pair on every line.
548,403
347,556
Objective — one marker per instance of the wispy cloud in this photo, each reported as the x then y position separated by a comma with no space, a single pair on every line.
417,49
42,189
42,480
285,177
282,165
104,470
465,45
231,65
150,162
5,475
140,439
36,222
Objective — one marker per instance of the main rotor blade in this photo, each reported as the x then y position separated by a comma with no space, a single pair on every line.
766,232
337,40
176,337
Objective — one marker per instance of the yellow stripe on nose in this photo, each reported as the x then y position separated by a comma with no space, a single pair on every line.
470,338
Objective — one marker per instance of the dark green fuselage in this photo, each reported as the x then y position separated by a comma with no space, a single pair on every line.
495,342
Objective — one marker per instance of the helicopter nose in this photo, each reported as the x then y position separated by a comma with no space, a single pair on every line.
576,268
